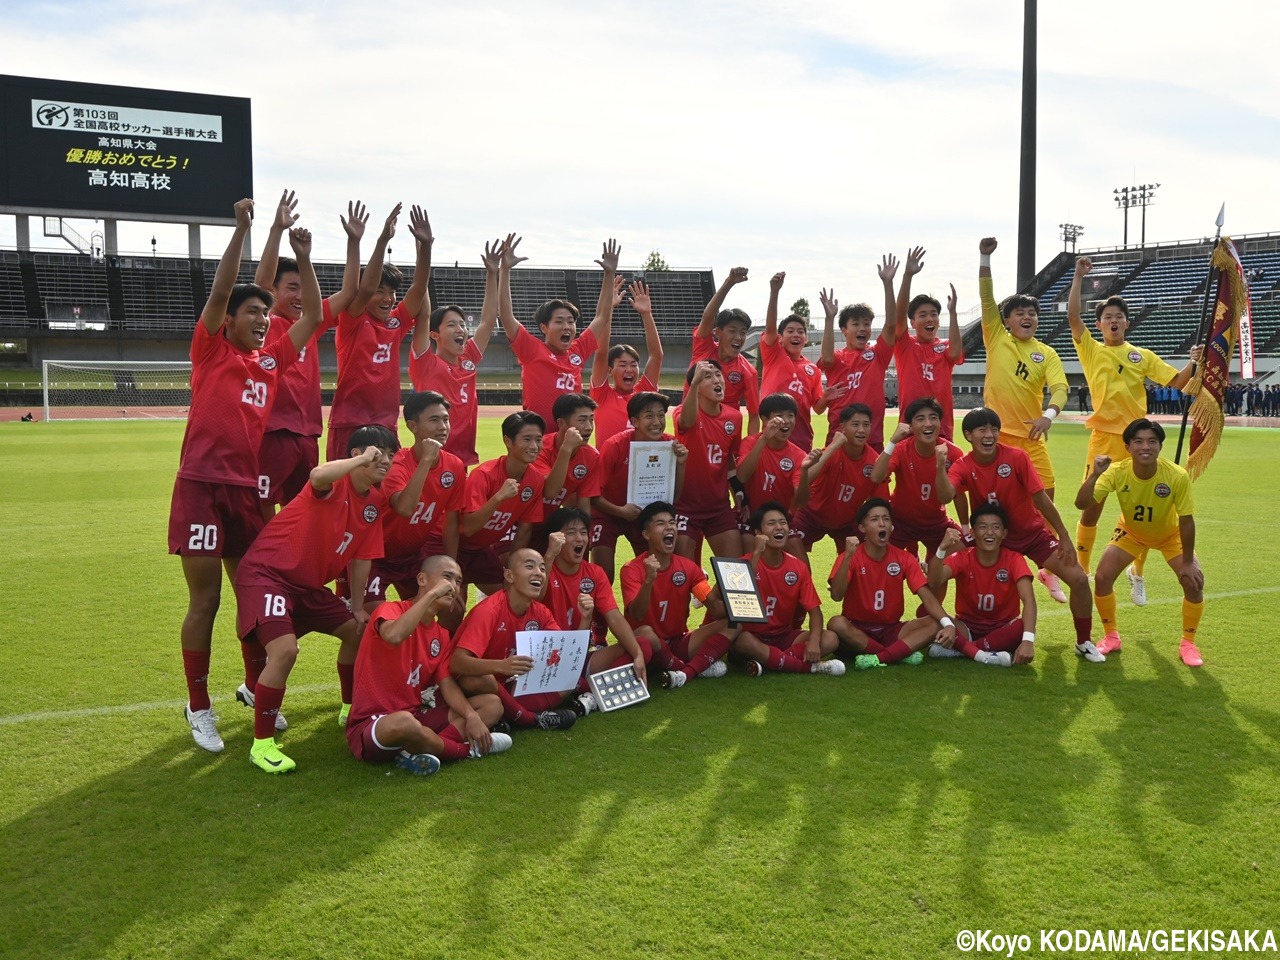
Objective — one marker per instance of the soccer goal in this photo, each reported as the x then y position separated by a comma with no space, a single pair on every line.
116,389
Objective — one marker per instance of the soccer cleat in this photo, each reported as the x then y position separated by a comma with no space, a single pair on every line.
1109,644
204,728
584,703
1137,588
419,764
1190,653
938,652
556,719
832,668
498,743
718,669
1090,652
266,755
343,714
674,679
867,661
914,660
501,727
245,696
755,668
994,658
1052,584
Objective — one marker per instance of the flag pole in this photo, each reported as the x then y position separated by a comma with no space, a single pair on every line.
1202,335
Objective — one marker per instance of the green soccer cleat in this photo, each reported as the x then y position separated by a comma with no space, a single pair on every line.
343,714
914,660
266,755
867,661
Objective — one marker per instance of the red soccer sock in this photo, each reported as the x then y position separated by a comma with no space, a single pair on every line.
1084,628
1006,638
967,647
266,704
195,664
455,747
894,652
875,647
712,649
512,711
255,658
781,662
537,702
346,679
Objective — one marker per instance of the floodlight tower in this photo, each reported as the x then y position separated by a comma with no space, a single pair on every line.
1135,196
1070,234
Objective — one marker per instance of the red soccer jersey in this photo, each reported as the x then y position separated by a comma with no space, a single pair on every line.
547,375
874,594
713,450
232,391
583,479
668,614
777,473
443,490
924,370
915,485
457,384
391,677
297,406
988,594
862,373
615,463
563,589
740,385
1009,480
369,369
786,590
525,507
843,485
489,630
315,536
611,407
797,376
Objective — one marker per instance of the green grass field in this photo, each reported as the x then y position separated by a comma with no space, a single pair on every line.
873,815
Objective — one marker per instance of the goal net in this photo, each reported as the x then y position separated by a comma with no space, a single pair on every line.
116,390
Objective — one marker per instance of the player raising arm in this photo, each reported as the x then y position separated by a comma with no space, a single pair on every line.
720,336
616,376
711,429
924,362
785,368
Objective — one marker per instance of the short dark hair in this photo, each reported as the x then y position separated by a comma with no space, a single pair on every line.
919,300
856,311
870,505
618,349
732,315
987,508
638,401
437,316
567,404
794,318
517,421
418,402
391,278
848,412
374,435
979,417
922,403
688,377
1011,303
284,265
542,316
561,517
757,515
651,511
247,291
776,403
1133,429
1119,302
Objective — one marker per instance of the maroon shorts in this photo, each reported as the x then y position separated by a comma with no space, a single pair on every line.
1039,545
809,528
272,609
480,566
213,519
907,535
401,573
362,735
882,633
606,529
285,462
782,639
998,635
701,524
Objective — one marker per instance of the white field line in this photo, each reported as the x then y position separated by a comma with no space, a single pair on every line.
1122,595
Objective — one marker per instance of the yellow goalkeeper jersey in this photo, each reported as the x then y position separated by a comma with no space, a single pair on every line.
1149,509
1018,371
1117,381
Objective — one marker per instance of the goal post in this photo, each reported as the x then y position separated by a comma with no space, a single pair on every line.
116,389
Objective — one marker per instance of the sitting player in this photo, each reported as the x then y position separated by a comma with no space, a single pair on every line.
786,589
657,589
785,368
991,582
616,376
612,516
571,464
867,578
839,482
402,665
504,496
712,430
925,363
484,658
1156,513
995,473
920,470
280,586
720,336
769,464
570,576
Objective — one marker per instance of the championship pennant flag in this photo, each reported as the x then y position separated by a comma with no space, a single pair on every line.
1232,324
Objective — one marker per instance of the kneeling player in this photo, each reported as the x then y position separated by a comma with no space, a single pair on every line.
1156,507
403,662
868,578
991,582
786,588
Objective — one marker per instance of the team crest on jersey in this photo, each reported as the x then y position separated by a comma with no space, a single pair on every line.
575,359
791,578
893,569
1002,575
1004,470
678,578
446,479
868,355
580,471
730,426
267,362
393,323
1037,357
586,585
526,494
532,625
940,347
435,646
808,369
866,471
370,513
1162,490
786,463
468,365
1135,356
734,377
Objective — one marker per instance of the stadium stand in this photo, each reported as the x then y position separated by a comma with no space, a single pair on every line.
13,304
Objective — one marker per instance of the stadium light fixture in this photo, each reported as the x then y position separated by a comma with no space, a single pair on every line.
1070,234
1140,195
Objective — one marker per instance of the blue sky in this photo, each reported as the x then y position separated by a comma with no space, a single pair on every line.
808,137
